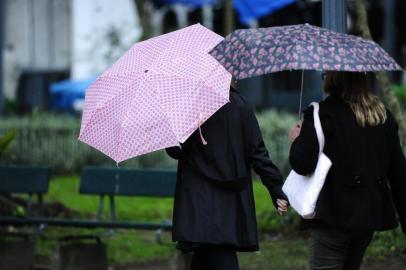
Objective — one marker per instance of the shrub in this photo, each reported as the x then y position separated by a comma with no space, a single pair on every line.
6,140
400,92
275,127
51,139
387,243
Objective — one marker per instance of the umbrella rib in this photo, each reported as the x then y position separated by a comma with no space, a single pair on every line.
125,120
101,105
213,71
168,48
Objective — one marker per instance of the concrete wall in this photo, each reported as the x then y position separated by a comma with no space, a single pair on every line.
85,36
38,36
102,31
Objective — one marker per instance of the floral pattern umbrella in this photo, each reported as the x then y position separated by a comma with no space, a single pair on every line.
247,53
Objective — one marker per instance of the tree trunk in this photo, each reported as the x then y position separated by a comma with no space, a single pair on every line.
145,17
228,17
388,95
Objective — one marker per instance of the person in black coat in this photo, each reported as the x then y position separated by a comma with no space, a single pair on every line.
366,185
214,211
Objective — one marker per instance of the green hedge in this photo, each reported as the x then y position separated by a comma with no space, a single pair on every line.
400,92
49,139
275,127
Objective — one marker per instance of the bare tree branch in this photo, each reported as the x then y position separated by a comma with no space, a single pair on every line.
387,93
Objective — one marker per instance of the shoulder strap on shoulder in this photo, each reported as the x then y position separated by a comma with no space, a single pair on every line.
317,126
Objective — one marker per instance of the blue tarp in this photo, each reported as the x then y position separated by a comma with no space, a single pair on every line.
193,3
250,10
65,93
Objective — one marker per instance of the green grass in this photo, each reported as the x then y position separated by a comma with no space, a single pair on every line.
123,246
286,251
131,245
387,244
268,219
65,190
277,253
126,245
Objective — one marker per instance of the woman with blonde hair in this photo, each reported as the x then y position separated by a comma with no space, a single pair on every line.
366,185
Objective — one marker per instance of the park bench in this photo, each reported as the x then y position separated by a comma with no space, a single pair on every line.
24,180
33,181
111,182
103,182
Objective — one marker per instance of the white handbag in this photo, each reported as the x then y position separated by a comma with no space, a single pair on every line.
303,191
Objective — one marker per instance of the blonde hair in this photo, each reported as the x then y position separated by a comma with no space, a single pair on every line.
355,90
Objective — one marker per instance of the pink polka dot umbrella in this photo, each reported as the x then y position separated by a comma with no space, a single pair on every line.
156,95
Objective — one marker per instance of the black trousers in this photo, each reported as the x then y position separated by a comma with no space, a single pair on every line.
338,249
212,257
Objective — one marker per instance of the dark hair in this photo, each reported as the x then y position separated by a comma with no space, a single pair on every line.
355,89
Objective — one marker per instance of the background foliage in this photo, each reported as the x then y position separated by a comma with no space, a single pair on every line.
400,92
51,139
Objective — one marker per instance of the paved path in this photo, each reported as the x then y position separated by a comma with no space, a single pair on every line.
398,263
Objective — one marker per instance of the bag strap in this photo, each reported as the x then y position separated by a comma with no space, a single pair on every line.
317,126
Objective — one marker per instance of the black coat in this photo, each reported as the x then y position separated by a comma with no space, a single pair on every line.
366,184
214,201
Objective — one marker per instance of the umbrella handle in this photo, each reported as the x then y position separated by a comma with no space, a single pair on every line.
200,130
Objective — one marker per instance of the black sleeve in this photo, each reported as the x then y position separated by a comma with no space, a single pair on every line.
397,179
174,152
304,151
260,161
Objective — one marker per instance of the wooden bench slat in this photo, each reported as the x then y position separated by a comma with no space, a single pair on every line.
127,182
24,179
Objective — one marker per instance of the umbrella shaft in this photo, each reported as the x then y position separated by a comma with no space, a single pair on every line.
301,96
